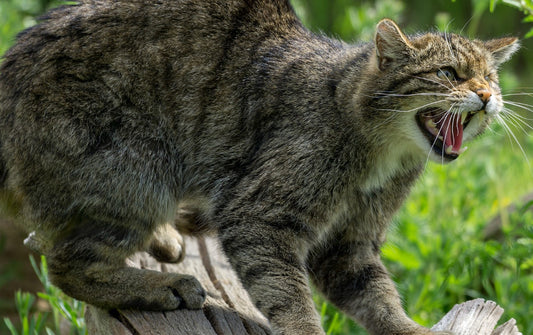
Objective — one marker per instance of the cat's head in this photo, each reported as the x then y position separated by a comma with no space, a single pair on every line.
443,88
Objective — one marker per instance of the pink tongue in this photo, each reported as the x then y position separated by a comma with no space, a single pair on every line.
452,130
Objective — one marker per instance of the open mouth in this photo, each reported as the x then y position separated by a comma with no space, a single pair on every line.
444,130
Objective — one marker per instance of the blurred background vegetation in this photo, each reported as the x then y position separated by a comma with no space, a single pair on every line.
439,251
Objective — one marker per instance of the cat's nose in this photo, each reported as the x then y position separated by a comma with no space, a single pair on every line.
484,95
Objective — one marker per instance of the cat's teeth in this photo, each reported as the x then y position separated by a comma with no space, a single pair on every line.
449,150
441,138
431,126
463,117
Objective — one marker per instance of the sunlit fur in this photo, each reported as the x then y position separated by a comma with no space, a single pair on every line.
121,117
416,86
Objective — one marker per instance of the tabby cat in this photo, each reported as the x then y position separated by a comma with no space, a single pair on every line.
295,149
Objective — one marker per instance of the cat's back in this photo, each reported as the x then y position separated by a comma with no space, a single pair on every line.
100,29
95,82
92,90
93,35
108,51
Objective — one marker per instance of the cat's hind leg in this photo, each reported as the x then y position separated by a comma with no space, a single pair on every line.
167,244
89,264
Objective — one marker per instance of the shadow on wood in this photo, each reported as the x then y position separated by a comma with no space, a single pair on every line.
228,309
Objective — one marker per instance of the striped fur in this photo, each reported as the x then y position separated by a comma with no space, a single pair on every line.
226,116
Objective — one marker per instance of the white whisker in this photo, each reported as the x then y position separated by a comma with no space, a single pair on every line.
399,95
450,82
520,105
466,24
517,121
448,41
511,134
518,94
432,81
444,115
507,110
413,109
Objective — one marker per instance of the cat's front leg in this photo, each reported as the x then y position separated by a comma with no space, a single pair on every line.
350,274
267,258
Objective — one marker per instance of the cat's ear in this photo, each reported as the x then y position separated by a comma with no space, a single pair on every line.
503,48
391,44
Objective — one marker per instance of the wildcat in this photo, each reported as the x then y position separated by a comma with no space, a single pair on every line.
295,149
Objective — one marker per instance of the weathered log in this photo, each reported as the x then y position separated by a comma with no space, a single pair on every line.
477,317
228,309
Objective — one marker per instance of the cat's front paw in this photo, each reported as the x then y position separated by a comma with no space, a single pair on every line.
174,292
190,291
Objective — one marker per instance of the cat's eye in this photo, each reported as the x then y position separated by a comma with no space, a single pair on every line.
448,74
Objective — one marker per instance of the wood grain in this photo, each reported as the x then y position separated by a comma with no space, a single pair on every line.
229,311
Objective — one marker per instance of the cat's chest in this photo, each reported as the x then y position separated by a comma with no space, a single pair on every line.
370,209
389,166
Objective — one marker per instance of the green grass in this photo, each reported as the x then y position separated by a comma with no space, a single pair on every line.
436,252
16,15
63,310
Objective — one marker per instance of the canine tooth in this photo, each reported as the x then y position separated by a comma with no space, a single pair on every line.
463,117
441,138
462,150
449,150
430,123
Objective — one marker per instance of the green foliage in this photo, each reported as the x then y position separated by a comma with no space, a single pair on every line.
348,19
436,252
333,321
445,259
30,324
63,309
16,15
8,271
524,5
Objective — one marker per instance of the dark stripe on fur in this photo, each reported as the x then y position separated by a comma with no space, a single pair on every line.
342,288
271,268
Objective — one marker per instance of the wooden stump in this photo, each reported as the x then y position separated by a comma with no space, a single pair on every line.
228,309
476,317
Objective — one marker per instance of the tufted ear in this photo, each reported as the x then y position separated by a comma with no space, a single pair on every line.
503,48
391,44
